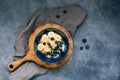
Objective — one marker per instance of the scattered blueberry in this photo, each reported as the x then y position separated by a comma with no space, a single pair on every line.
81,48
57,16
84,40
87,46
64,11
118,77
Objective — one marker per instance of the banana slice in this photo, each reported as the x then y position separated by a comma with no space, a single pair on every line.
53,44
40,46
51,34
57,37
44,38
48,56
57,55
63,47
47,48
43,51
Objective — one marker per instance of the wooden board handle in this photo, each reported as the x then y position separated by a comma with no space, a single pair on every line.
14,65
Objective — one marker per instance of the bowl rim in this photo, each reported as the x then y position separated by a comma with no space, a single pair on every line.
31,45
54,60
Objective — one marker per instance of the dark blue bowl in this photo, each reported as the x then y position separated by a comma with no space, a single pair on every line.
51,60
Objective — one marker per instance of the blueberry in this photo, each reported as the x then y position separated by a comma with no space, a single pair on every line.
81,48
87,46
55,52
84,40
52,38
65,11
49,45
48,53
56,48
58,43
53,55
57,16
118,77
44,43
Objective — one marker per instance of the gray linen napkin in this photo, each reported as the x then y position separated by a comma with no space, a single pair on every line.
69,16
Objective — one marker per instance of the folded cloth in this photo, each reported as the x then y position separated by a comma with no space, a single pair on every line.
69,16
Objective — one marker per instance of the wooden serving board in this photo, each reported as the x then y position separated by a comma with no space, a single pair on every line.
31,55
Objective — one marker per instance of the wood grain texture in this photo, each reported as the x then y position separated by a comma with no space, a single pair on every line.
31,55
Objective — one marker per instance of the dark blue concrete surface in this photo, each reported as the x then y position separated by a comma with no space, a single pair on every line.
101,29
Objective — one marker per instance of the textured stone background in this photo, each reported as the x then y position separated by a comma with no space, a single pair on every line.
101,29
